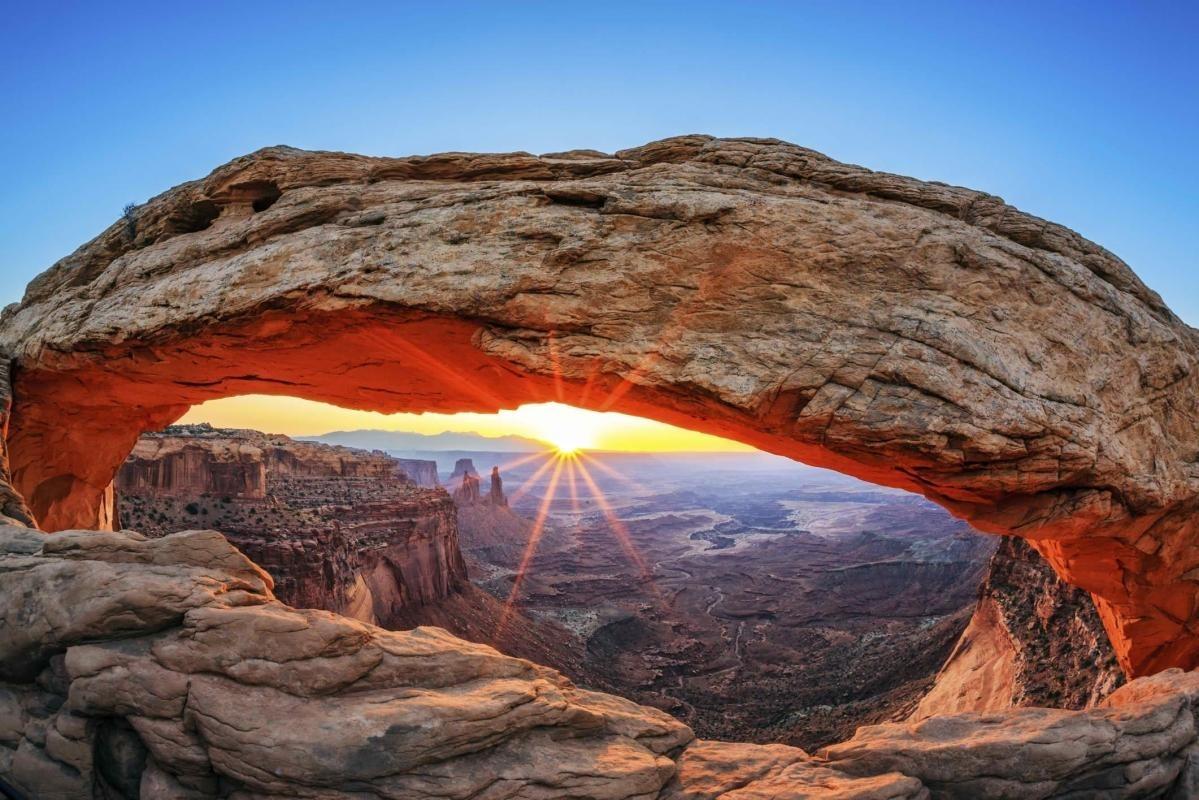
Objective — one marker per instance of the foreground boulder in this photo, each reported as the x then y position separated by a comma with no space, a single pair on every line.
909,333
1140,743
165,668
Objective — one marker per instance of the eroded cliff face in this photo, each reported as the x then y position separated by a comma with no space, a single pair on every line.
338,529
904,332
165,668
1032,641
421,471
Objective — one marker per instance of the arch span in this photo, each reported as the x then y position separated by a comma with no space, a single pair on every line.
908,333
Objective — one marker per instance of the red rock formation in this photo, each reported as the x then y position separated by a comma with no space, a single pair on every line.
1033,641
422,472
900,331
337,528
495,495
466,489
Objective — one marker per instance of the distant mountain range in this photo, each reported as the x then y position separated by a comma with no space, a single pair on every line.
401,440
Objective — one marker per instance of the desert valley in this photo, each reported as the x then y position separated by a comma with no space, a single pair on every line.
987,590
749,596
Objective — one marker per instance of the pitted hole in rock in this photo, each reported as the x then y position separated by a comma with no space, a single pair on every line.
194,218
270,194
120,758
258,195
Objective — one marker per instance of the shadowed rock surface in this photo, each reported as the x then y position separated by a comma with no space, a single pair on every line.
1032,641
166,667
909,333
338,529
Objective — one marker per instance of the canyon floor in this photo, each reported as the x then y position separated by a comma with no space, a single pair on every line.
749,596
752,597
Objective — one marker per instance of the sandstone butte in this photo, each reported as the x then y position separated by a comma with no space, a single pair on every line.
913,334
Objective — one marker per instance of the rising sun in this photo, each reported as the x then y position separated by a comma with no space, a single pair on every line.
568,430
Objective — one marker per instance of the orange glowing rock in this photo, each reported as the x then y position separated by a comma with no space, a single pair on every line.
916,335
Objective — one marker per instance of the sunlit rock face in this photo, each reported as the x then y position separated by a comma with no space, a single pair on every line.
913,334
909,333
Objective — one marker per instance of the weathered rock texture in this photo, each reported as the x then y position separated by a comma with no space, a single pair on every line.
228,691
1032,641
1140,743
165,668
337,528
914,334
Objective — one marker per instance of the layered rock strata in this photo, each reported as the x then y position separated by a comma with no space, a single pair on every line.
165,668
193,460
423,472
905,332
338,529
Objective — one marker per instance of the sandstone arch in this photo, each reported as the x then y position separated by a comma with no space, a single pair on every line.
909,333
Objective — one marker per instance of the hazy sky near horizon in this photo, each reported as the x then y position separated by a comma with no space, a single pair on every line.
1086,113
552,423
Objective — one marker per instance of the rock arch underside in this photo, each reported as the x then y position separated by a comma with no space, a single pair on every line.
912,334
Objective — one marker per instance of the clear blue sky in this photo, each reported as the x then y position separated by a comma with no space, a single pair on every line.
1086,113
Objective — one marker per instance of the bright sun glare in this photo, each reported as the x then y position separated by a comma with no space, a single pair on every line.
568,429
561,427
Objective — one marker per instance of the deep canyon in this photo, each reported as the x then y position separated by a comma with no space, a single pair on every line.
719,606
914,335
